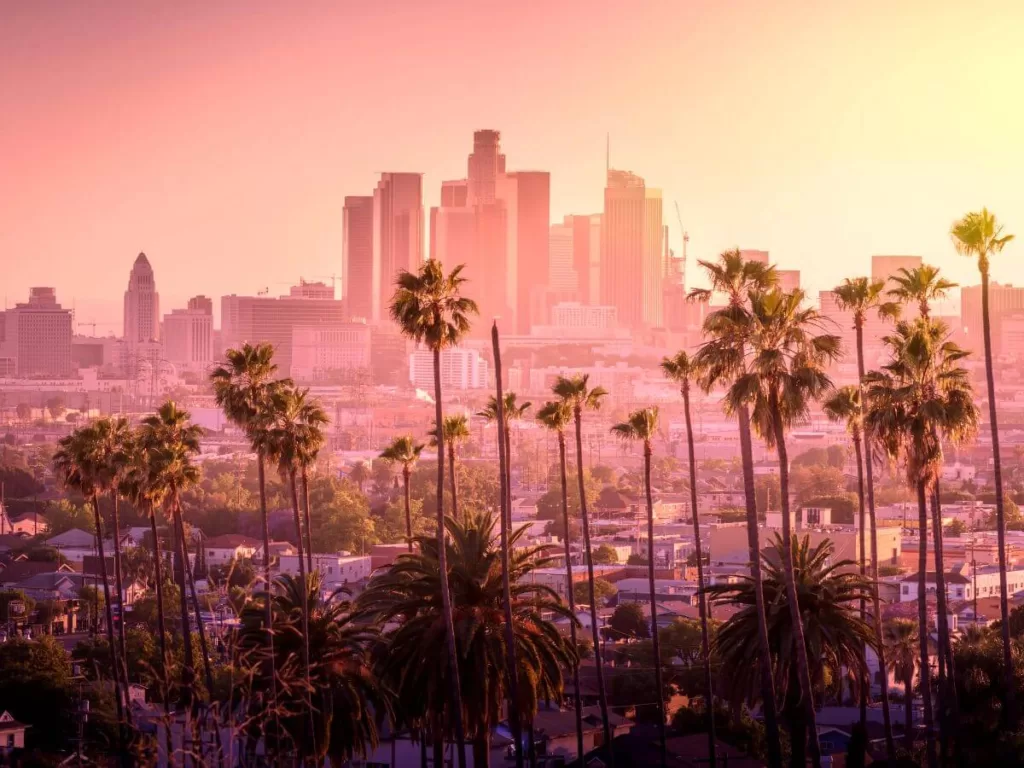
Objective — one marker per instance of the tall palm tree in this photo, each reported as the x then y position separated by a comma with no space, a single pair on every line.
784,371
577,394
902,642
406,452
456,431
979,235
311,439
641,426
833,633
408,597
78,464
721,360
682,369
921,286
556,415
429,308
862,296
918,399
243,388
512,411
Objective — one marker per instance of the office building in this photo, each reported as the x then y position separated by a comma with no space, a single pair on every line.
561,271
35,337
1004,301
789,279
188,334
461,369
527,198
357,274
141,304
751,254
330,351
575,315
397,235
486,163
885,267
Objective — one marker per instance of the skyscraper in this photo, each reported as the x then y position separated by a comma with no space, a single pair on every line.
1004,301
586,256
561,270
527,199
485,164
357,273
789,279
35,338
751,254
188,334
632,259
397,235
141,304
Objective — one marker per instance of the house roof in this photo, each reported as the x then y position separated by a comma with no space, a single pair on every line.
930,577
612,498
20,570
74,537
49,581
231,541
8,723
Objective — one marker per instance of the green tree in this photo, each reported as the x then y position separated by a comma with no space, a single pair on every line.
902,644
605,555
956,528
406,452
628,621
604,591
36,688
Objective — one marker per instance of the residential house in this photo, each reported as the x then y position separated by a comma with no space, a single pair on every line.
335,570
28,524
12,734
221,550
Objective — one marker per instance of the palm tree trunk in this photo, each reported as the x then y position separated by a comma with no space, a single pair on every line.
119,586
578,702
947,702
705,645
876,603
598,656
305,608
922,618
309,525
442,562
908,711
268,616
188,692
451,480
514,718
508,477
658,682
771,723
997,473
796,615
119,695
408,505
482,749
865,681
161,623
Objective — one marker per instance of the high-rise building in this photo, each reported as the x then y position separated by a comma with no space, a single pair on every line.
561,271
485,164
357,270
1004,301
527,199
141,304
884,267
188,334
789,279
35,338
750,254
632,257
330,352
586,256
309,289
460,369
265,319
397,235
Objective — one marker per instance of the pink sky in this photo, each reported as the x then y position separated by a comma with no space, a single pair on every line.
221,137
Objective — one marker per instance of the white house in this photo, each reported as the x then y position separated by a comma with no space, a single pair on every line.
12,734
961,582
75,545
221,550
335,570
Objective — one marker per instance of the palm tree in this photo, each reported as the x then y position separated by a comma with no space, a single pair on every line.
783,373
834,635
922,286
979,235
359,474
409,595
641,427
349,702
78,466
721,360
243,387
862,296
512,411
576,393
405,451
922,396
682,369
429,308
456,431
902,643
556,416
310,440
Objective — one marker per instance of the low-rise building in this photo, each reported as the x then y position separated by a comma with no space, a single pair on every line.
336,570
221,550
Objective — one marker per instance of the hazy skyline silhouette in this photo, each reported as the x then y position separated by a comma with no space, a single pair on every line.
221,139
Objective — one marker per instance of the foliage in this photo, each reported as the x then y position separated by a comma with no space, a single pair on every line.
636,559
63,516
604,591
628,621
605,555
833,456
36,688
956,528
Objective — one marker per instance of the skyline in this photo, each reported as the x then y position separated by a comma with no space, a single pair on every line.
823,143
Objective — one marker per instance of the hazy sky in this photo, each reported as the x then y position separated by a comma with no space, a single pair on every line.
220,137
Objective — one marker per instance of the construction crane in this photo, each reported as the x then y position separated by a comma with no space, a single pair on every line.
93,324
334,281
686,239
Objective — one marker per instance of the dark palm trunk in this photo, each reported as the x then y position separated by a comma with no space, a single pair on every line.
408,505
451,480
908,712
119,695
309,525
188,689
865,681
771,722
997,473
705,645
598,656
161,622
578,703
922,618
119,586
442,562
268,615
876,603
948,705
305,608
482,750
796,615
658,682
515,720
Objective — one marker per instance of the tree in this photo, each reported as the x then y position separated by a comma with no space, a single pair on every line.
359,474
834,635
415,664
628,621
902,644
24,411
980,236
456,431
605,555
577,394
430,309
55,407
36,688
956,528
721,360
406,452
920,285
683,370
511,410
556,416
642,426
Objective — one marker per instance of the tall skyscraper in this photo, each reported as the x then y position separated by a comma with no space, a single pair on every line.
35,338
397,235
789,279
188,334
586,256
357,273
485,164
632,258
1004,302
527,199
141,304
561,270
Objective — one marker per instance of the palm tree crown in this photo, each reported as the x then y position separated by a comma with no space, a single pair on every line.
860,295
428,305
979,235
640,426
403,450
455,429
920,285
